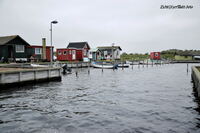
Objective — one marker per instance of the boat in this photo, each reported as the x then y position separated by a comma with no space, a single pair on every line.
66,69
103,65
123,65
37,65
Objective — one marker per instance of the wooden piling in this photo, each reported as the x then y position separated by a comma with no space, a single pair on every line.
102,66
147,62
88,68
143,63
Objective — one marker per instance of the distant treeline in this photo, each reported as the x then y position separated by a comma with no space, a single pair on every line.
166,54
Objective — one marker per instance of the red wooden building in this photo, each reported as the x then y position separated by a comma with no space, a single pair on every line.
39,54
75,51
155,56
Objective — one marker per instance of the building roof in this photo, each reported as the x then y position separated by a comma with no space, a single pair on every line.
94,50
109,47
6,39
78,45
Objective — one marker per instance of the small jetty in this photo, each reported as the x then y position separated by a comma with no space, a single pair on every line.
14,75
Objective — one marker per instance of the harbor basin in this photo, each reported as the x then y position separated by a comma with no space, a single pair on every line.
143,99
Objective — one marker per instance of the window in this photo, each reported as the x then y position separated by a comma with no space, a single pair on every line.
19,48
85,52
117,53
38,50
105,53
73,52
70,52
59,52
156,54
65,53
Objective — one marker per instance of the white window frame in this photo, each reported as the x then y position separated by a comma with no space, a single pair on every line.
73,52
59,52
85,52
64,52
19,48
38,52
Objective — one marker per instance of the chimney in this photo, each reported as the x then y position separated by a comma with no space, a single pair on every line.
44,48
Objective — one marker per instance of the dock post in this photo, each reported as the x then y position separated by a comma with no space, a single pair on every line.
143,63
132,63
138,64
77,69
122,65
88,68
147,62
187,67
152,63
102,67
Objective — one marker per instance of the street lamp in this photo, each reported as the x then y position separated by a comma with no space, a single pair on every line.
113,51
52,22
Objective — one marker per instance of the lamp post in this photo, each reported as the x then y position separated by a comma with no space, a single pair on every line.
51,52
113,51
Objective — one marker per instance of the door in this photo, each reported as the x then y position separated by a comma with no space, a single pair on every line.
73,54
10,51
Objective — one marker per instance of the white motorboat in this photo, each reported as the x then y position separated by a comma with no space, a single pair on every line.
104,66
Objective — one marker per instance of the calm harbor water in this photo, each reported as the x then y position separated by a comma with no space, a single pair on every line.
154,100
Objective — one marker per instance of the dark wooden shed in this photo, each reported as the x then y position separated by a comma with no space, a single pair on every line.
14,48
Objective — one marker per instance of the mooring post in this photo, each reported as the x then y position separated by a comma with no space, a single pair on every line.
143,63
152,63
122,65
132,63
88,68
187,67
139,64
77,69
102,66
147,62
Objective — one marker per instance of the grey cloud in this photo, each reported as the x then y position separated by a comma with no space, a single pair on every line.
138,26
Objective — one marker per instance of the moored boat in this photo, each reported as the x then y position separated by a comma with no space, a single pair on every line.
123,65
104,66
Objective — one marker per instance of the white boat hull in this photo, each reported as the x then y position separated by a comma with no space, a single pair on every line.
107,66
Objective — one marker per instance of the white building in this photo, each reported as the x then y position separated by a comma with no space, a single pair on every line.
110,52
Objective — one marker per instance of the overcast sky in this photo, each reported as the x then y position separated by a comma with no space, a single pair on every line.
138,26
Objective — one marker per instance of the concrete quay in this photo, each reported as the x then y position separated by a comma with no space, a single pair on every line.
196,78
14,77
